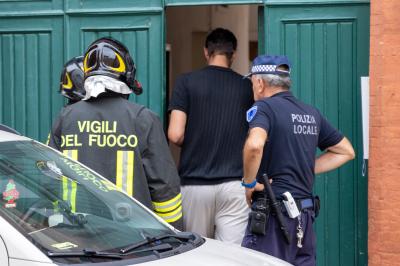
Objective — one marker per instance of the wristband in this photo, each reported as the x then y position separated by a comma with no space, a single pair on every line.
249,185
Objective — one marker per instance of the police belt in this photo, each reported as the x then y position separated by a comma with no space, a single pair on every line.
302,204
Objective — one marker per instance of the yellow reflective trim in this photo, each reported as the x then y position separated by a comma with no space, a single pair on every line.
119,173
73,196
175,212
130,172
161,204
172,216
69,85
125,171
121,67
86,69
48,140
64,188
73,154
174,219
169,208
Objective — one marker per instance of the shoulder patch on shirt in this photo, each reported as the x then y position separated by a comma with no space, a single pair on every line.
251,113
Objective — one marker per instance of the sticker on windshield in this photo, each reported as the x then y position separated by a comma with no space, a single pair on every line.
11,194
64,245
81,171
49,168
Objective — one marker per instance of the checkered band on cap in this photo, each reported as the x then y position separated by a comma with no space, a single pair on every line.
263,68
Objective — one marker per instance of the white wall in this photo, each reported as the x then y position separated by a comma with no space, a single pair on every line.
186,23
183,21
236,19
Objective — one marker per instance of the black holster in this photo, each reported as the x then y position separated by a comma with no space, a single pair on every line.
317,205
259,214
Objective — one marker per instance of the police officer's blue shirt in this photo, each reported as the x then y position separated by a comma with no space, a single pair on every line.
295,130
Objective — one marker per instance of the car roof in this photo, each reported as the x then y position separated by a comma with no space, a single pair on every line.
7,136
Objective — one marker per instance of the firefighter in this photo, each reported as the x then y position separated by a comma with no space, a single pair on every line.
121,140
71,87
71,81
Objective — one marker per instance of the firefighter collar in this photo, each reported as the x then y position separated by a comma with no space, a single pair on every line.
95,85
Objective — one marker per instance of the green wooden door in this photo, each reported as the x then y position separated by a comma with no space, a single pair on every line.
31,59
329,49
210,2
142,36
38,36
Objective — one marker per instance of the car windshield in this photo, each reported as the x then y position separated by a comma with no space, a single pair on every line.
65,207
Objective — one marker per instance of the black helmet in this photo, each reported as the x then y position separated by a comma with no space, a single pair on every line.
110,57
71,81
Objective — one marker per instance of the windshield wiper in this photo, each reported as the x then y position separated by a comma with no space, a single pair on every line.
85,253
150,240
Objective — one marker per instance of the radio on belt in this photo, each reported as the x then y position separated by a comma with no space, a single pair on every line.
290,205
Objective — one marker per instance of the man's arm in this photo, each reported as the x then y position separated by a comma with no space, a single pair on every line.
335,156
54,138
162,176
252,155
176,129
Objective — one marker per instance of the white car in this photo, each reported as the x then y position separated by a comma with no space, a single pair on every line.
55,211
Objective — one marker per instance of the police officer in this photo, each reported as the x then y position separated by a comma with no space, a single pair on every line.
282,141
121,140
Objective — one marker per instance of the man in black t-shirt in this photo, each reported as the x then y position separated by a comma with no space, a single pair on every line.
208,109
283,137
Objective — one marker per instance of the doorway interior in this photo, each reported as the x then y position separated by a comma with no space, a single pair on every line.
186,30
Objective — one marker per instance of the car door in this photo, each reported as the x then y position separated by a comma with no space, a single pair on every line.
3,253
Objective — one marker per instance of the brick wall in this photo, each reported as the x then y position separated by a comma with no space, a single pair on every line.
384,167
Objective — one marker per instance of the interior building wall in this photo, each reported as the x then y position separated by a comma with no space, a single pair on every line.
236,19
186,25
187,28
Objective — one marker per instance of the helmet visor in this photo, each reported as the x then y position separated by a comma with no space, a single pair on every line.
90,60
109,59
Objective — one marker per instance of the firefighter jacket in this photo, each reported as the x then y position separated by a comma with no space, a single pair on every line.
125,143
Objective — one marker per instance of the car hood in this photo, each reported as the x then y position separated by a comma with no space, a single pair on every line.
214,252
7,136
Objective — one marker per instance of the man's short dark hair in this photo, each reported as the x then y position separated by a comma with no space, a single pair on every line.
221,42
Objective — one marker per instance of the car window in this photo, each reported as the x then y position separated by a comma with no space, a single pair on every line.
63,206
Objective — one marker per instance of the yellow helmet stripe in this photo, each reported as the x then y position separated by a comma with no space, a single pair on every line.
85,68
67,86
121,67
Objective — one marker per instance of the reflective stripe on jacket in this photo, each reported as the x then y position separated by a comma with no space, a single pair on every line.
125,143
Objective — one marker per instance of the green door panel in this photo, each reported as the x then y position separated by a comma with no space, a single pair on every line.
328,46
113,5
12,7
314,2
209,2
31,52
143,36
